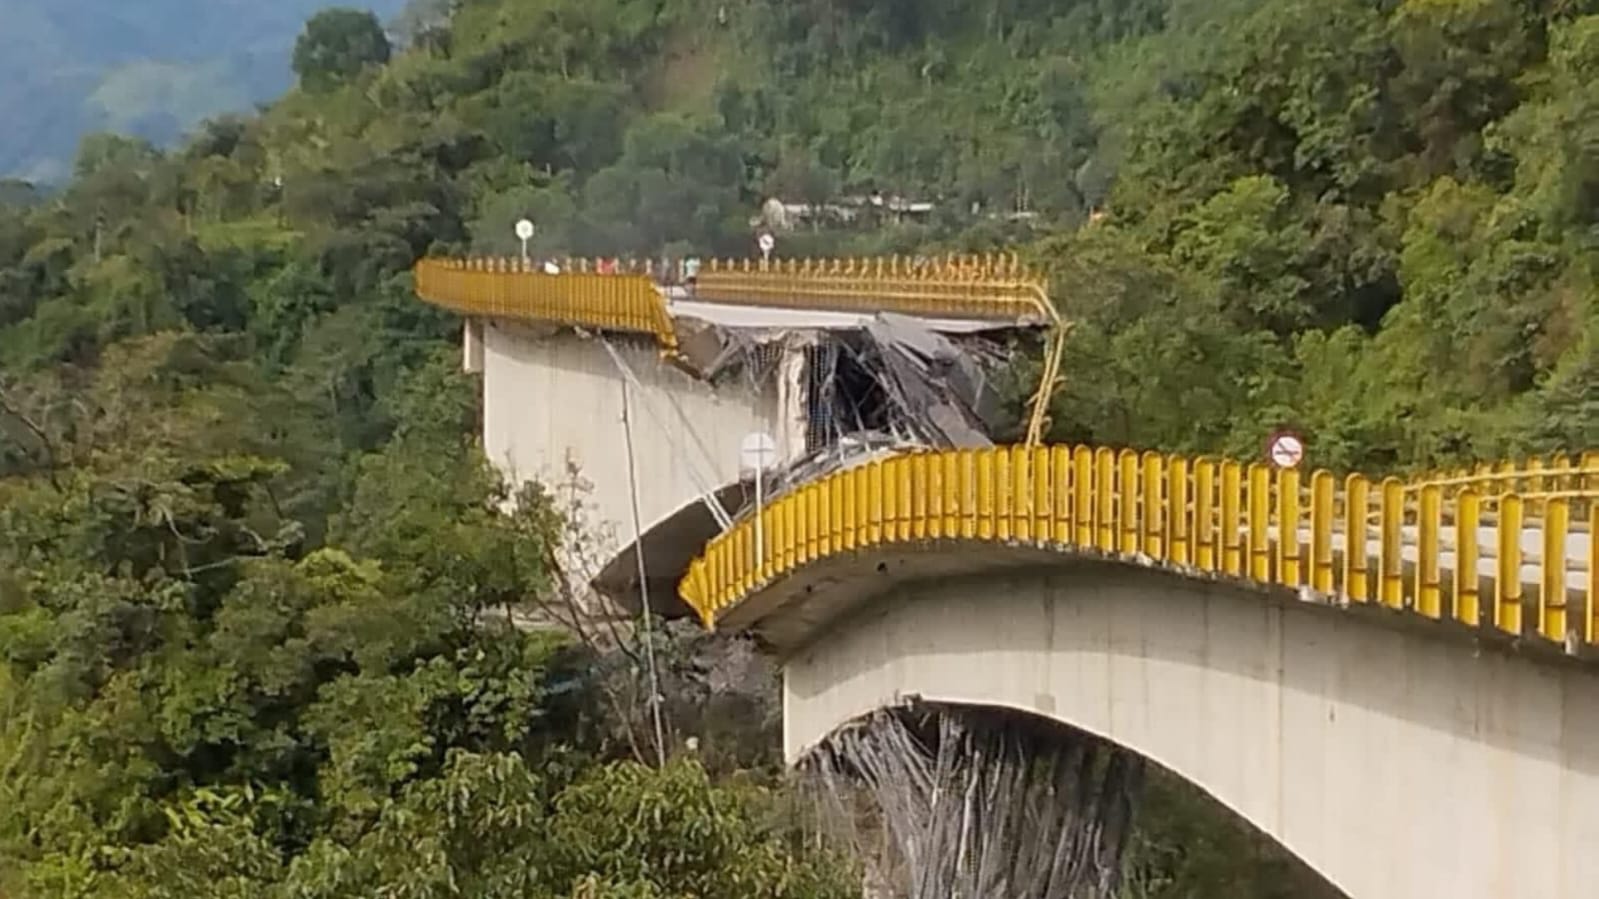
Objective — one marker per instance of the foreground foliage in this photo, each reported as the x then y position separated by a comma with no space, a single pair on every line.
198,703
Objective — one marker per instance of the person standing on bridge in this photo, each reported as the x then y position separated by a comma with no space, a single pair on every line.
691,272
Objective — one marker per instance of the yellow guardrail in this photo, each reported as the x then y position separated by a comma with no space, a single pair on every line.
1203,517
996,287
505,288
1538,474
626,295
629,294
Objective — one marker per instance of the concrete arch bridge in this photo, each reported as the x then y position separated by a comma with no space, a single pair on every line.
1394,679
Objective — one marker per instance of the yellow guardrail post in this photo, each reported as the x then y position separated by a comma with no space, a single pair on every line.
899,469
1507,583
985,495
967,472
788,530
1357,533
1083,496
918,484
1063,487
1552,584
1256,530
1105,500
1179,525
876,503
1205,556
1154,512
1021,492
949,478
1289,572
1468,524
1127,502
812,494
1322,486
1004,497
1592,629
1390,561
1429,522
1232,495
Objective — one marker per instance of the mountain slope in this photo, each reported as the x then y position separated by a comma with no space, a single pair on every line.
153,69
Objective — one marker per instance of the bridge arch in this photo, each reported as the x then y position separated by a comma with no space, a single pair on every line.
1393,761
923,759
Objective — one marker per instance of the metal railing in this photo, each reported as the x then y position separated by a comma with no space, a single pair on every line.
1441,548
1543,475
510,289
631,294
996,287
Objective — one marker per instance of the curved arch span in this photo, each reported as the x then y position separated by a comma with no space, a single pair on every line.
1513,562
1057,804
1393,763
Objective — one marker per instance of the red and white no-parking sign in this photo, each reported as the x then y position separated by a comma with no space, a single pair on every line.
1285,449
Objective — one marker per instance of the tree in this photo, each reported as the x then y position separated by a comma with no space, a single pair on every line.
338,44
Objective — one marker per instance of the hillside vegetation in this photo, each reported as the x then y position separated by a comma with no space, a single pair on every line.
247,544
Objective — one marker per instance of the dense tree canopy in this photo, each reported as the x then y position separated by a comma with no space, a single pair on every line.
338,44
250,562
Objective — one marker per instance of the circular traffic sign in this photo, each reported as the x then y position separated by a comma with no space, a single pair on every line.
766,242
1285,449
757,452
524,229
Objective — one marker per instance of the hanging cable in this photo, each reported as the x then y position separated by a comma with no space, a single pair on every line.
643,585
707,494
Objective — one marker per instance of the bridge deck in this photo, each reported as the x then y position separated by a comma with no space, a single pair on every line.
1523,568
681,303
958,293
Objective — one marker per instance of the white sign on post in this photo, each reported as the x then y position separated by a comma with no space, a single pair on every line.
767,243
524,233
1285,450
757,453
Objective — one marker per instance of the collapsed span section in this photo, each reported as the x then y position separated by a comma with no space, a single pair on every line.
630,389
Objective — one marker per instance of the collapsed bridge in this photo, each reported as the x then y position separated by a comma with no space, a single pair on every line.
1394,679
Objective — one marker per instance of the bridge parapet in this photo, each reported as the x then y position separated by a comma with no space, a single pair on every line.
994,287
1557,476
1491,548
509,289
636,295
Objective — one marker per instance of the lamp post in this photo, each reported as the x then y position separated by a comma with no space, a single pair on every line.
524,233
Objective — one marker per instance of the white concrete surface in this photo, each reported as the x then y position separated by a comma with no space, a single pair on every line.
679,304
472,346
553,402
1398,764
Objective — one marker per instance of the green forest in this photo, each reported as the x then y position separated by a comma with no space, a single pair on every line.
252,563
